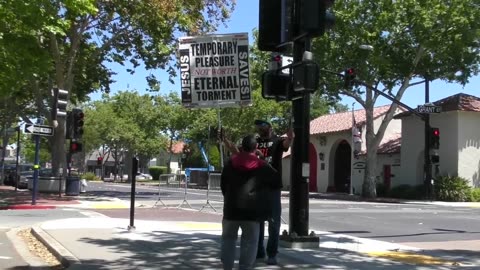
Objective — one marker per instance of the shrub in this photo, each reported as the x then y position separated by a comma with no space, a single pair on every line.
404,192
381,190
156,171
475,195
452,188
90,176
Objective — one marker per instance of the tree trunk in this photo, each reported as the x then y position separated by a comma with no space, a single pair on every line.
369,189
170,155
128,165
59,158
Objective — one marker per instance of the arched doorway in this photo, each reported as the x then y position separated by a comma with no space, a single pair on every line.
343,166
312,153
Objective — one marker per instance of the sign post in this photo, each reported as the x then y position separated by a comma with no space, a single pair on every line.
37,131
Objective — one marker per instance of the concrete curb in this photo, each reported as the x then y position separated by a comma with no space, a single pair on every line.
65,257
22,249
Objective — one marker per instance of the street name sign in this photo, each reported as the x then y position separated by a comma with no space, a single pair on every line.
39,130
429,109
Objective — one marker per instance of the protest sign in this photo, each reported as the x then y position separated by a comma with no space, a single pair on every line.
214,71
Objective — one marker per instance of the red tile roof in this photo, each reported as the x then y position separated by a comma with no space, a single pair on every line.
342,121
458,102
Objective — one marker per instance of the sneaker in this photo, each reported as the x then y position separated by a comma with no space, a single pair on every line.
272,261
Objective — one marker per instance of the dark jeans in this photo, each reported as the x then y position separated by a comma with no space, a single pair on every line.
273,228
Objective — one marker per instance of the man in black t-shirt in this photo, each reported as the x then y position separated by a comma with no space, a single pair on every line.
270,148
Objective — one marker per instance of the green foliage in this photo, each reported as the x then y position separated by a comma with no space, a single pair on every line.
90,176
381,190
27,149
406,192
156,171
475,195
452,189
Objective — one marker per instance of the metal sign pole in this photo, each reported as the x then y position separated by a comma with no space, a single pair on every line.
36,167
132,193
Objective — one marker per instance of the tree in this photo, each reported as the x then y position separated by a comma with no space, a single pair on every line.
80,36
411,40
127,121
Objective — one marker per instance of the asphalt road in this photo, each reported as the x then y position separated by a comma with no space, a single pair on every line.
391,222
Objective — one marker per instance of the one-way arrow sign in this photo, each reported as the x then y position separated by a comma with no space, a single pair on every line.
39,130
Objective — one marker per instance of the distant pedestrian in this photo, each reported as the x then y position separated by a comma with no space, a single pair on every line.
245,181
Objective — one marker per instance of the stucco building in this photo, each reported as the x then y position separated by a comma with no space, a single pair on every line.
459,151
400,154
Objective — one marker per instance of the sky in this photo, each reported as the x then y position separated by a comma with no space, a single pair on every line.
245,19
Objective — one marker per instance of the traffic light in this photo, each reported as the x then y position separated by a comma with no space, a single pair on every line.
349,78
69,126
77,123
60,101
435,158
276,85
274,24
75,147
434,138
316,17
99,160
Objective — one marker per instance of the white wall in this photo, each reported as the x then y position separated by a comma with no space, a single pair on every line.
458,151
412,150
327,144
468,147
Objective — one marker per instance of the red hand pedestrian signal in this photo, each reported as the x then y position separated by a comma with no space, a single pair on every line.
434,138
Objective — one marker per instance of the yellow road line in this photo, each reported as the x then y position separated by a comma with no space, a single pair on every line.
411,258
200,225
108,205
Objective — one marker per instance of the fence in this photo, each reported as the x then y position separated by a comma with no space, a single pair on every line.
175,187
179,186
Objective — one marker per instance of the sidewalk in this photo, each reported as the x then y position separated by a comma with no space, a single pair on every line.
99,242
106,243
22,199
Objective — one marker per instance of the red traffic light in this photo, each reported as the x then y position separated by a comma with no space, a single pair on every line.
75,147
436,132
350,71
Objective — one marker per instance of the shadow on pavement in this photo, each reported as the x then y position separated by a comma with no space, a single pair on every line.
194,250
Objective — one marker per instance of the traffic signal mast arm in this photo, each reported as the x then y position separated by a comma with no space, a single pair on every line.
392,99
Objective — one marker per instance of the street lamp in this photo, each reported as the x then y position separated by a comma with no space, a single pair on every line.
366,47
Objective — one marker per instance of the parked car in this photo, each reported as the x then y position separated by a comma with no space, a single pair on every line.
23,180
145,176
140,176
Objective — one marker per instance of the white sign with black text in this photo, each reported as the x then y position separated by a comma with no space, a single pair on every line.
214,71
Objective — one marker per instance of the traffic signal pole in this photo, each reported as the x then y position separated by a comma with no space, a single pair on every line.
299,204
427,162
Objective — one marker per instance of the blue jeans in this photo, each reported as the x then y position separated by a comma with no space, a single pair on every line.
248,243
273,228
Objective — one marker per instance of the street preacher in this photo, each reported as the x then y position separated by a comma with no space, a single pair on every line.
214,71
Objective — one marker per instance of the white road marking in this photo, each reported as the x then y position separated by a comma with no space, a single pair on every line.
5,258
